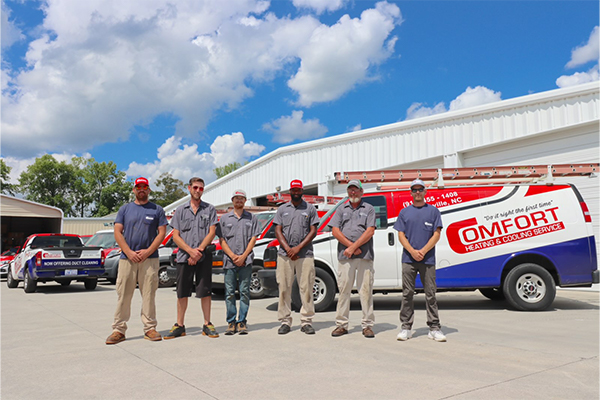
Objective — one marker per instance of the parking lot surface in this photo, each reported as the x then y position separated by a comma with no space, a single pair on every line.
53,347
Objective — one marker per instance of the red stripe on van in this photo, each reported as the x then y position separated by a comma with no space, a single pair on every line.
533,190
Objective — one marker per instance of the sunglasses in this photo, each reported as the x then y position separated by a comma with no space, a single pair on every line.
141,187
200,188
417,190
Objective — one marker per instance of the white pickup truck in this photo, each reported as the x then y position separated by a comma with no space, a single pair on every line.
55,257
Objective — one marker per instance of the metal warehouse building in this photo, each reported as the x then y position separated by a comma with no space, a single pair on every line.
555,127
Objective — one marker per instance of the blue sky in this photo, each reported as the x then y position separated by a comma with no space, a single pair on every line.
186,86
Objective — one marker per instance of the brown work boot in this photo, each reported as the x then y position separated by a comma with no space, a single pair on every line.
152,335
115,337
368,332
339,331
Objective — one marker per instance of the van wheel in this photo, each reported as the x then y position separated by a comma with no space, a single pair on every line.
163,277
29,284
323,291
495,294
90,284
10,281
529,287
257,289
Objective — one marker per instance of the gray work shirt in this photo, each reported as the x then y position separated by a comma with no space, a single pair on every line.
238,232
193,228
295,224
353,222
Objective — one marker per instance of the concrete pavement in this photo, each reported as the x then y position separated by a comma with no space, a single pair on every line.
53,348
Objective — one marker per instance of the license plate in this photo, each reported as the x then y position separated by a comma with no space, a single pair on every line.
70,272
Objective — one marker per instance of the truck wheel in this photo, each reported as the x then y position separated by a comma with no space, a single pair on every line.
529,287
163,277
64,283
10,281
90,284
323,291
29,284
495,294
257,290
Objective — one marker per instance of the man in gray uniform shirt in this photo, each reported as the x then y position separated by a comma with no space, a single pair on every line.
353,225
295,228
194,227
237,232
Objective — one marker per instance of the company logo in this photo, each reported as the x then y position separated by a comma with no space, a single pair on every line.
468,235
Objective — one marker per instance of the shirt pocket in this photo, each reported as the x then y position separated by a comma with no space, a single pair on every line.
186,225
427,226
149,218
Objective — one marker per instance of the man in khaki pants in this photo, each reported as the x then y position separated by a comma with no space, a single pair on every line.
295,228
353,225
140,228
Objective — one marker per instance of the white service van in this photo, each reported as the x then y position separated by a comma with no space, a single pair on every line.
512,241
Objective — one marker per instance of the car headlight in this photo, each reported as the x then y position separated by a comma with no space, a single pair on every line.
114,253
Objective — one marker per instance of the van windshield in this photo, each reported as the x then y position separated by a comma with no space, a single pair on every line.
327,217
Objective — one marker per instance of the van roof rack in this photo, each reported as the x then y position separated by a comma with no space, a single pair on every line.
438,177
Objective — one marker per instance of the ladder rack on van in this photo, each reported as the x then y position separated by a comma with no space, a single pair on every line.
471,176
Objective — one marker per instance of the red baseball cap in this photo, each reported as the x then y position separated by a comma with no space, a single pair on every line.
296,183
141,181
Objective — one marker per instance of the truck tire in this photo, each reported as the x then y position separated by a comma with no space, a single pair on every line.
90,284
495,294
10,281
29,284
529,287
257,290
163,277
323,291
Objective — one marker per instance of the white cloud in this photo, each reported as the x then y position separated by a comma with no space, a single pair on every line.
184,161
337,58
287,129
578,78
98,68
418,110
587,52
355,128
320,6
476,96
471,97
10,33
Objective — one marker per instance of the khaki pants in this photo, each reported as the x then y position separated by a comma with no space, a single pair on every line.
144,274
304,270
363,270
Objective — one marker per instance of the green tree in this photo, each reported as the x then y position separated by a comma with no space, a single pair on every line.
100,189
226,169
168,190
50,182
5,185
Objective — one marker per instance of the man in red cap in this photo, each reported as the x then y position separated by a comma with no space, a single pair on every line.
295,228
140,228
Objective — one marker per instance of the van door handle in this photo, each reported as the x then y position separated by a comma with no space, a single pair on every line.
391,239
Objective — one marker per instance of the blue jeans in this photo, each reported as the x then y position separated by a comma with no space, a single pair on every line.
233,277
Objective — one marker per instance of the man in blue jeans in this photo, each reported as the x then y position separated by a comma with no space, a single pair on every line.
237,231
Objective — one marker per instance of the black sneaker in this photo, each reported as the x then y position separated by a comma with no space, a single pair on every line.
308,329
242,328
283,329
230,329
175,331
209,330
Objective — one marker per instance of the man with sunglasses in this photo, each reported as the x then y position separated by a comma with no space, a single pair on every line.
194,227
140,228
419,228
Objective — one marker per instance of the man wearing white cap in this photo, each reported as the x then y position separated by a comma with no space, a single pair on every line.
237,231
419,228
353,225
